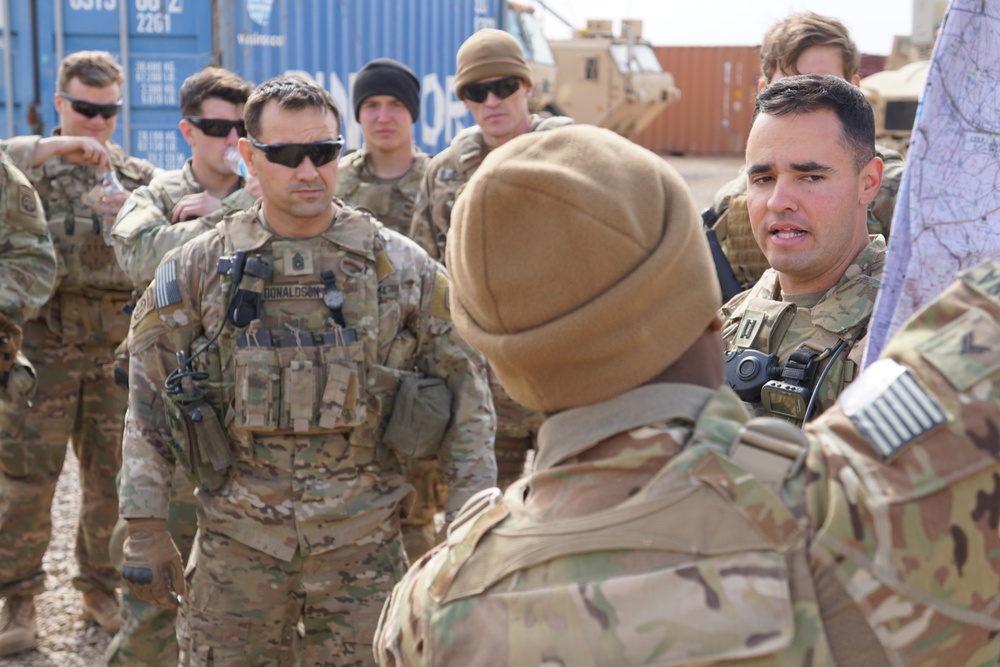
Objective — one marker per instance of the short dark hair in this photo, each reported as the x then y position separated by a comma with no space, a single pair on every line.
807,93
212,82
785,41
292,91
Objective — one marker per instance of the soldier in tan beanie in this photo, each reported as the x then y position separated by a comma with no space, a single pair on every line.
661,525
494,82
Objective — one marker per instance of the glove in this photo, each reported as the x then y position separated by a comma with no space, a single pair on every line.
152,568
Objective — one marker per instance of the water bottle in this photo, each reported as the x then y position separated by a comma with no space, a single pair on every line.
236,163
109,183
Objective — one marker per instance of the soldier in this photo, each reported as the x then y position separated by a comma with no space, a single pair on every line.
27,276
662,526
494,82
288,359
796,338
804,43
174,208
72,343
384,175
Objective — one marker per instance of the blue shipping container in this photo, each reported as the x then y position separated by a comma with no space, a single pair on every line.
165,41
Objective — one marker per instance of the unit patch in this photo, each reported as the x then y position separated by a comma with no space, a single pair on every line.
890,408
26,201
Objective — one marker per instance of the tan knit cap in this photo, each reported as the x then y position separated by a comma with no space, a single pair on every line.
489,53
579,266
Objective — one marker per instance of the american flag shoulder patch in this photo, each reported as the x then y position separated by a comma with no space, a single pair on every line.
890,408
167,292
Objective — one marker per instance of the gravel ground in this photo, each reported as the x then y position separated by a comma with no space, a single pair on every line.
64,640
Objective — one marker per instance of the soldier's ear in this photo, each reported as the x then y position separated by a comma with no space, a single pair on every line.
186,130
871,180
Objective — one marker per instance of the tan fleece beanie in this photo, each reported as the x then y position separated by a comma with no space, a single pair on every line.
579,266
489,53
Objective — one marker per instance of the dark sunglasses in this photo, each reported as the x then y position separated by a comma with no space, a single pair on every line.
291,155
217,127
89,109
502,88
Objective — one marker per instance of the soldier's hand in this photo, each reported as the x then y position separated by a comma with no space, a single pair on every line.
152,568
82,150
194,206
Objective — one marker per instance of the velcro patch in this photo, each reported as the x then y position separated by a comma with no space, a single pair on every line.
168,293
439,299
965,351
749,328
985,279
144,315
890,408
294,292
26,201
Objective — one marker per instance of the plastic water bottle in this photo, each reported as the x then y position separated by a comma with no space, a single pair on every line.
235,162
109,183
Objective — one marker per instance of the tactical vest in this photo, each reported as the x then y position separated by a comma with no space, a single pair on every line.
390,201
702,565
827,334
293,370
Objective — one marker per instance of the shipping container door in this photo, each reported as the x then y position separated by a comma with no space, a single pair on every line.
331,40
158,42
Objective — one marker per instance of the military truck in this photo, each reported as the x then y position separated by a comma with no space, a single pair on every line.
522,23
611,81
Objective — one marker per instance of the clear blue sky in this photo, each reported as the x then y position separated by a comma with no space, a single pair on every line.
733,22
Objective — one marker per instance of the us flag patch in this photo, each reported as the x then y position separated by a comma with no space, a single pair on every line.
890,408
167,291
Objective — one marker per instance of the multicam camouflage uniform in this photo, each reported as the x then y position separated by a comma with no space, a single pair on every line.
312,498
389,200
446,175
27,276
142,235
143,232
667,537
736,236
72,345
759,319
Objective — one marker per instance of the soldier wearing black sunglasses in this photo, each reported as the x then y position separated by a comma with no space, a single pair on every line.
176,207
339,312
494,82
71,345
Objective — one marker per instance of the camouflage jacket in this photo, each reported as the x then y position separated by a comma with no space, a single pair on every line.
759,320
303,402
143,232
879,211
662,528
27,256
389,200
91,289
446,174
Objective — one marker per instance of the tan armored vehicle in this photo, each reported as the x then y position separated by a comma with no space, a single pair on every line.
608,81
895,94
520,21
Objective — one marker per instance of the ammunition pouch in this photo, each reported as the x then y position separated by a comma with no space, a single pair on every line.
420,417
299,383
200,441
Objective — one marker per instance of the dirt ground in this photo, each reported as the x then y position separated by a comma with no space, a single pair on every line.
65,640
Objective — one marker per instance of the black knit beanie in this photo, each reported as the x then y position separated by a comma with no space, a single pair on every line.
384,76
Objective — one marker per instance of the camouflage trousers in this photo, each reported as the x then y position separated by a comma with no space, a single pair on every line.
76,400
148,635
245,607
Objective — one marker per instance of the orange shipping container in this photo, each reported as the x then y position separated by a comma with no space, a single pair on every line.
718,86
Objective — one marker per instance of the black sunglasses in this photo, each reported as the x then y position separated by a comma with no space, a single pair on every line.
217,127
89,109
291,155
502,88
